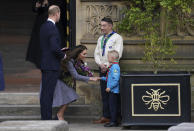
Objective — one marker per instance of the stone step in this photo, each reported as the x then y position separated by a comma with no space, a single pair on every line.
13,9
81,119
10,21
13,51
19,98
28,110
68,118
27,99
17,31
9,39
17,17
34,126
27,24
21,88
13,5
16,12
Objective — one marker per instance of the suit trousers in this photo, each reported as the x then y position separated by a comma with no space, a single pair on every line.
104,94
49,81
114,106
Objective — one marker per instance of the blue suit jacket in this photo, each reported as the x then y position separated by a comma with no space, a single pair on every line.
50,42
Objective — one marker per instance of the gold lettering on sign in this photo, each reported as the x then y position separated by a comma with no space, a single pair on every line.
155,99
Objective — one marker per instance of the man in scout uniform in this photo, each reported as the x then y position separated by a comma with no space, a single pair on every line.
110,40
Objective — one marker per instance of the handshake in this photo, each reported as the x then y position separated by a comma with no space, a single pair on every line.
95,78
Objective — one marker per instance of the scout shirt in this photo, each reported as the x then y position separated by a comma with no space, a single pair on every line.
113,77
115,42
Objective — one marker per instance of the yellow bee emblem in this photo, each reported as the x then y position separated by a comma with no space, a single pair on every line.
155,99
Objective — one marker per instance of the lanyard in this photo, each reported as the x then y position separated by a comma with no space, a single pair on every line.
104,41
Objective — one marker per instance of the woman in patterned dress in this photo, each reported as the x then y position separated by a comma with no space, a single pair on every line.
73,68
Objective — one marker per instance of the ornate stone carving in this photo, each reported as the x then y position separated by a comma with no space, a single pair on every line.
190,26
184,29
94,15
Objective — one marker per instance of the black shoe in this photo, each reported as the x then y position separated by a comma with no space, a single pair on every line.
55,118
111,124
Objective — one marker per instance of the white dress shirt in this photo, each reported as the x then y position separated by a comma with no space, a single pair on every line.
51,20
115,42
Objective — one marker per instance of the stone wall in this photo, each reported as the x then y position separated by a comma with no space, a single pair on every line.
89,14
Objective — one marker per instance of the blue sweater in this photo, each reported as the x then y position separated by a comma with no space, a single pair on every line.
113,78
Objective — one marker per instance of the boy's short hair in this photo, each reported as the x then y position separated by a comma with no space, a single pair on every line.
114,53
53,9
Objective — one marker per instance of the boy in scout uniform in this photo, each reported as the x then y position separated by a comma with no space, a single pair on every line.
112,78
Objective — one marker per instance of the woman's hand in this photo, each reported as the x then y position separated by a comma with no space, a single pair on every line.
94,78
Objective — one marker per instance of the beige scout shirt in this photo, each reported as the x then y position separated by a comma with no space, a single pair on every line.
115,42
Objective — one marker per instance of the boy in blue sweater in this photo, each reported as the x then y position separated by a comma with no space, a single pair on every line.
112,78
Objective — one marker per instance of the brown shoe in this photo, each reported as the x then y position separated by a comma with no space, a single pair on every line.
101,120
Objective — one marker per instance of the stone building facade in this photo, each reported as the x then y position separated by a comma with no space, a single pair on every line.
88,16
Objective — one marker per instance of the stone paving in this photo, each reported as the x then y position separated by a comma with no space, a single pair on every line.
185,126
100,127
34,126
64,126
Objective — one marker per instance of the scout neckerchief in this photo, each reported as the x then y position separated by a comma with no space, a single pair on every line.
115,62
104,41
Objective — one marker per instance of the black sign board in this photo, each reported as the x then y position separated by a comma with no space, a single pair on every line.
160,99
155,99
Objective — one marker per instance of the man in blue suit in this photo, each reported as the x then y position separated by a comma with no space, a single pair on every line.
51,56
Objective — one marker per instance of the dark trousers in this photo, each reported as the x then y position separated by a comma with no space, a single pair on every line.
104,94
114,106
49,80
